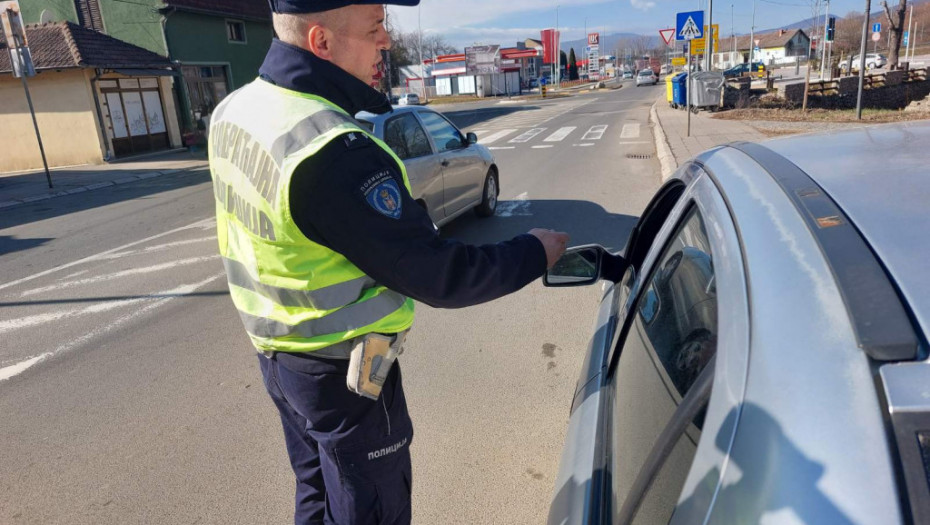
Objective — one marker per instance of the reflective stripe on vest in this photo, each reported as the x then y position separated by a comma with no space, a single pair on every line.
292,293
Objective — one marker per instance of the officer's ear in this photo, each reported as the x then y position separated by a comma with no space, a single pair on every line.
320,41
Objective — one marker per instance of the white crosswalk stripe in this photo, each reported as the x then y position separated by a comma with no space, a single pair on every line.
490,139
527,136
595,133
630,131
560,135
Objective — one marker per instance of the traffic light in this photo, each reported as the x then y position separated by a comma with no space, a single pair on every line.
831,29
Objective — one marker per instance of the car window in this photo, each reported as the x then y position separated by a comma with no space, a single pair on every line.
672,335
367,125
406,137
445,135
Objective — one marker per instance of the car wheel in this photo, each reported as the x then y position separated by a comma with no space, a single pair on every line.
870,66
489,195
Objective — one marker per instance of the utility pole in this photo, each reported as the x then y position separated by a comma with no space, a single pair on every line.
823,44
733,34
420,54
752,41
558,52
709,38
909,38
865,32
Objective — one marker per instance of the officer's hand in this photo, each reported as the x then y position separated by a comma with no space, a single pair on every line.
554,242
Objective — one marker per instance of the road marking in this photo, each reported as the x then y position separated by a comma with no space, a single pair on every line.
527,136
161,298
595,133
117,275
198,224
630,131
14,370
636,142
519,207
478,132
502,147
560,135
582,145
543,147
159,247
495,136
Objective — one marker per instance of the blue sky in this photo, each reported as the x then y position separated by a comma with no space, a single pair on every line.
465,22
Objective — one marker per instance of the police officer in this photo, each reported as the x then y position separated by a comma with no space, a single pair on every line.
325,251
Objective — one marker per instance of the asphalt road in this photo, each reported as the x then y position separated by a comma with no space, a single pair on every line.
130,394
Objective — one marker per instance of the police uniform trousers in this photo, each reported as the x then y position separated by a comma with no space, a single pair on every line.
350,455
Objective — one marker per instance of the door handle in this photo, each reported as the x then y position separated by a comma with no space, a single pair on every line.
445,163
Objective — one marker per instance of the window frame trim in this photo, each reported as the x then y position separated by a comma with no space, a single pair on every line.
241,23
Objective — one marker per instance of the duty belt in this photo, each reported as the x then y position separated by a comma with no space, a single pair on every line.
341,350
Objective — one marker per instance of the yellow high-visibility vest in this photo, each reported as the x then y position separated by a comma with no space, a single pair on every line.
292,294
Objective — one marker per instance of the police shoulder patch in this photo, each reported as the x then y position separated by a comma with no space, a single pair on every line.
382,193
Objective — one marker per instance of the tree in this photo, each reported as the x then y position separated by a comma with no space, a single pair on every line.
896,21
563,63
572,65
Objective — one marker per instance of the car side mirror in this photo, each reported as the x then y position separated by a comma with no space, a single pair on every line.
471,138
585,265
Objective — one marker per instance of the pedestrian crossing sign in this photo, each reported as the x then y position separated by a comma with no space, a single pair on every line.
689,25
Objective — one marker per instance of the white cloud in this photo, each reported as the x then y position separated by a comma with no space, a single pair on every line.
642,5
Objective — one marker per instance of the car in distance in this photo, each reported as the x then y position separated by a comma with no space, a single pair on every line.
646,76
715,392
872,61
758,70
449,172
408,99
627,74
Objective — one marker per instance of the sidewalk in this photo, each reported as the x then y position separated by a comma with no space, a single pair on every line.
24,187
673,144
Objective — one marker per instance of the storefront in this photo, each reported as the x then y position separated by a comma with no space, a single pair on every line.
135,115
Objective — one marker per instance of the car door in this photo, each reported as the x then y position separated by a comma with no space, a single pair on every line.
463,169
661,375
404,134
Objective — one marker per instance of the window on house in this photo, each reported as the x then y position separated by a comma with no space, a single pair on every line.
235,31
89,16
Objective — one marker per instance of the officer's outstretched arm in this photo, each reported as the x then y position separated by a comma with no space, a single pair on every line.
351,198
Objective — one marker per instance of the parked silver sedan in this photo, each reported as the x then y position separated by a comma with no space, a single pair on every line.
761,352
450,173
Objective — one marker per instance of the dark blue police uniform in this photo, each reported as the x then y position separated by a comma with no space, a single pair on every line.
350,454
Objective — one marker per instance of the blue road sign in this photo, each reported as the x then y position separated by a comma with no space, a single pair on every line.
876,28
905,38
689,26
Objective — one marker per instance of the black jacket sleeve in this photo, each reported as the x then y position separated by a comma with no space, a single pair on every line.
344,198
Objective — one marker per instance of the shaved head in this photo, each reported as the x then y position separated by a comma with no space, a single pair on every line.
294,28
350,37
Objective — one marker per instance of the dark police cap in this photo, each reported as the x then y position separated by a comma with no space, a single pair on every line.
315,6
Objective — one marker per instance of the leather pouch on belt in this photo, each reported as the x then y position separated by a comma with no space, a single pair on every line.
371,361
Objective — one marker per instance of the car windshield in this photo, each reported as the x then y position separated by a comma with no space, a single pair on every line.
645,73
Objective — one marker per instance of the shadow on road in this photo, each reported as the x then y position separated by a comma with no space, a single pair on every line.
586,222
10,244
55,207
471,117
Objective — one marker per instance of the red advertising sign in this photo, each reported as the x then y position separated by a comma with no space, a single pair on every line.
594,39
550,41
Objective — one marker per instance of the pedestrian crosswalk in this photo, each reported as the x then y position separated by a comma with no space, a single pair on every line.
549,138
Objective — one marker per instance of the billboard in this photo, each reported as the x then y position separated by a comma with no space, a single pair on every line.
550,40
483,60
594,39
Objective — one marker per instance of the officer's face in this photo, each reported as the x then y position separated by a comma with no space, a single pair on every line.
358,46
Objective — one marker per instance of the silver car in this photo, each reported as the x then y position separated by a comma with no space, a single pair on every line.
450,173
646,76
761,351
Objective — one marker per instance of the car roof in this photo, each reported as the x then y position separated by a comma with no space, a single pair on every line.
396,110
878,176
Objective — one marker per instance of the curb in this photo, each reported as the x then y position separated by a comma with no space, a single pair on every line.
666,159
96,185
